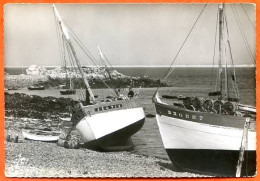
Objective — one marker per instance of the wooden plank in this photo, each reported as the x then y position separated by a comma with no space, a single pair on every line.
242,148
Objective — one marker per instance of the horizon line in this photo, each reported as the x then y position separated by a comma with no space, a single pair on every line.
125,66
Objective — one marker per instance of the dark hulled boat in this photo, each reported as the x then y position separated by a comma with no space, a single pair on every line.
67,91
36,87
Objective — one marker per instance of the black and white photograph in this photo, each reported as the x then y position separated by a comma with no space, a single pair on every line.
130,90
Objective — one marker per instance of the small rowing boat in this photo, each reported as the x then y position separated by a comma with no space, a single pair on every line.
38,135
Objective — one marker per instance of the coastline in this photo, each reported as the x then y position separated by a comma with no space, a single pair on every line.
23,81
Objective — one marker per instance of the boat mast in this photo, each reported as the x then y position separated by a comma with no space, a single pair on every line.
221,47
65,33
103,59
106,68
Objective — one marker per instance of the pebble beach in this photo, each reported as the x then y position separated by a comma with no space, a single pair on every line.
38,159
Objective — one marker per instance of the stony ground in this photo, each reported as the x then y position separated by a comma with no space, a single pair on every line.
38,159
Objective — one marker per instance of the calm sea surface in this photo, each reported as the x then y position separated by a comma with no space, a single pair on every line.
184,81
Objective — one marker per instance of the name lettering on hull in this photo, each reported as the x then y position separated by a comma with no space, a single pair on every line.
184,115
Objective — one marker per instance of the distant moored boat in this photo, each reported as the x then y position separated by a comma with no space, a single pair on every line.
36,87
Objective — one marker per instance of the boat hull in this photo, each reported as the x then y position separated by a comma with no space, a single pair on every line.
36,88
67,91
212,162
36,137
111,130
209,144
119,140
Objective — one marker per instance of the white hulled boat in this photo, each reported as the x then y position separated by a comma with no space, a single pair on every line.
214,136
108,124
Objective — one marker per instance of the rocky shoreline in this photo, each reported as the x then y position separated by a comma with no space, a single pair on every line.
96,76
22,81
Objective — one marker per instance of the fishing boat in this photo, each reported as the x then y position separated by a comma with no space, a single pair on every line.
107,124
67,91
68,88
36,87
214,135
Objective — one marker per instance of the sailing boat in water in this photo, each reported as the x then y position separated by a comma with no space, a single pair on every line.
68,88
216,136
107,124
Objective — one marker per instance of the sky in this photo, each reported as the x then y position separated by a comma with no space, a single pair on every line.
128,34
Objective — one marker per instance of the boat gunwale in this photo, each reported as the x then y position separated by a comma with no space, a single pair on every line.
220,119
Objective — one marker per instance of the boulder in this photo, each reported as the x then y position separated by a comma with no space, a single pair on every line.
36,70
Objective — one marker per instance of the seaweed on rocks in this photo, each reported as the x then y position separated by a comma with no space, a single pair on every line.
33,106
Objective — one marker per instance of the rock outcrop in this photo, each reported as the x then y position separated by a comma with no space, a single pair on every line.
61,73
36,70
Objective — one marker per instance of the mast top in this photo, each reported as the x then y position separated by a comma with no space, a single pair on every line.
61,22
220,6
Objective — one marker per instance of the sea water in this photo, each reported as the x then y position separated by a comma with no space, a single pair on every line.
184,81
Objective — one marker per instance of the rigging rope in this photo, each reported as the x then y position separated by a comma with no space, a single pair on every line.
168,71
187,46
231,58
248,16
82,46
108,62
243,33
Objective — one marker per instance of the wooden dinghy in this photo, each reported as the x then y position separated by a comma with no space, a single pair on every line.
38,135
65,119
